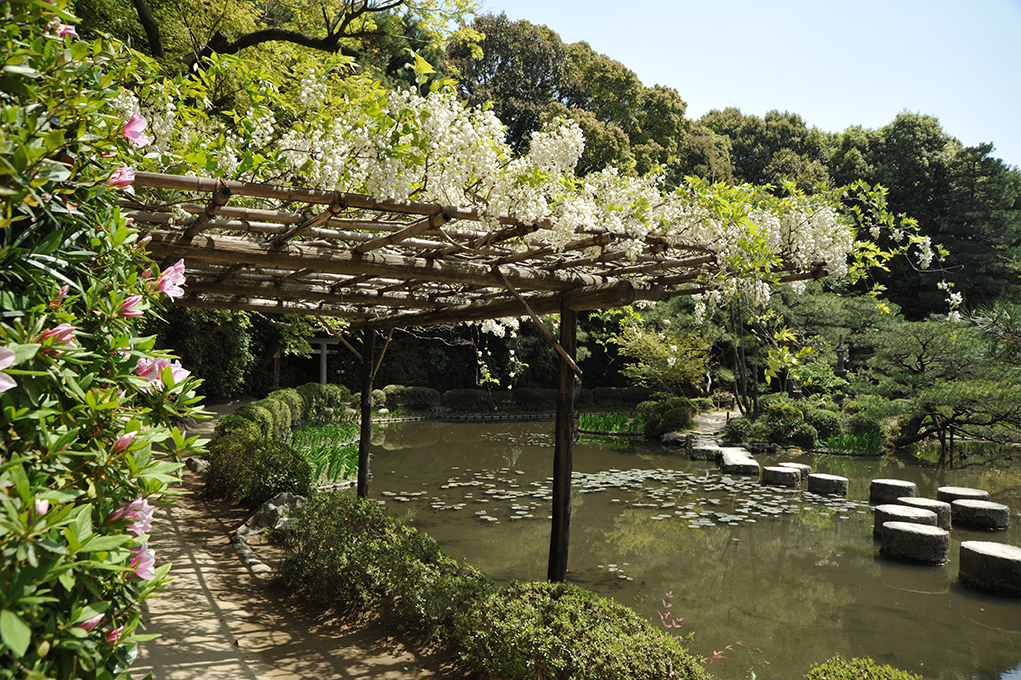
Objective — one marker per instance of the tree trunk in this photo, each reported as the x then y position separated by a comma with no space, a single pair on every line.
152,29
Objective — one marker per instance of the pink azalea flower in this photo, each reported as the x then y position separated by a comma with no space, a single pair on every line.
112,636
147,273
62,293
64,333
42,506
129,309
144,561
63,30
133,129
90,624
122,178
6,360
152,371
171,280
124,441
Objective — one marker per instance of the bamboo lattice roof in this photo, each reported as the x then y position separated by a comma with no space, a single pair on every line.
390,263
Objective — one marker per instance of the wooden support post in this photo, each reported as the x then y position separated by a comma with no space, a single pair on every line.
366,431
563,456
322,363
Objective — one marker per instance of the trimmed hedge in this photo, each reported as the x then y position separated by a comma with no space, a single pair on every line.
553,630
251,471
672,414
857,669
412,398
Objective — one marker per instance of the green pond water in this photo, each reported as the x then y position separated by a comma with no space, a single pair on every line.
784,577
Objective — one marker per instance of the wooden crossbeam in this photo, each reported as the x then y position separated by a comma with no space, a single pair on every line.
232,249
217,200
270,289
615,294
426,224
337,206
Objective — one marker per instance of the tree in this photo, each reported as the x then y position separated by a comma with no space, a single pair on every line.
522,70
772,149
191,30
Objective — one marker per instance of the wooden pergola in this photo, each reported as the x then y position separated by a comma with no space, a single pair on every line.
386,264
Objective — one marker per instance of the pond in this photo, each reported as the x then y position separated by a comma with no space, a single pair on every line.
785,578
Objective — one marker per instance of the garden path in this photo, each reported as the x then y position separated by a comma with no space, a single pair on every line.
218,621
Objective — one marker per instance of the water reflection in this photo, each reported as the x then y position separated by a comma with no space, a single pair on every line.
793,576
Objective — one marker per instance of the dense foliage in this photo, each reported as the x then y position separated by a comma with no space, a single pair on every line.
86,403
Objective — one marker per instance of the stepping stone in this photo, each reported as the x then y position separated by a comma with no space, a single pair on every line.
827,484
991,566
980,514
889,512
912,542
949,494
737,461
781,476
943,512
705,449
889,490
806,470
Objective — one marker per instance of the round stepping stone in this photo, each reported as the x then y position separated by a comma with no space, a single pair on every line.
827,484
781,476
980,514
889,490
991,566
913,542
949,494
889,512
806,470
943,512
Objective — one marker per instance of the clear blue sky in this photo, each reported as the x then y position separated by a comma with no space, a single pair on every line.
834,63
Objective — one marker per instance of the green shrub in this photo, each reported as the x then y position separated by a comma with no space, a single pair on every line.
666,415
782,415
258,415
251,471
413,398
825,422
292,398
315,397
864,423
237,426
804,436
856,669
535,400
468,401
378,399
619,397
337,397
738,430
552,630
281,414
759,431
345,548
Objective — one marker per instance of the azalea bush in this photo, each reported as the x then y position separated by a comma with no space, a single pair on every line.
86,405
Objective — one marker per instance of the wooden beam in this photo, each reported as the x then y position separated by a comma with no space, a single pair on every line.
231,249
563,454
419,227
615,294
270,306
309,294
218,200
337,206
